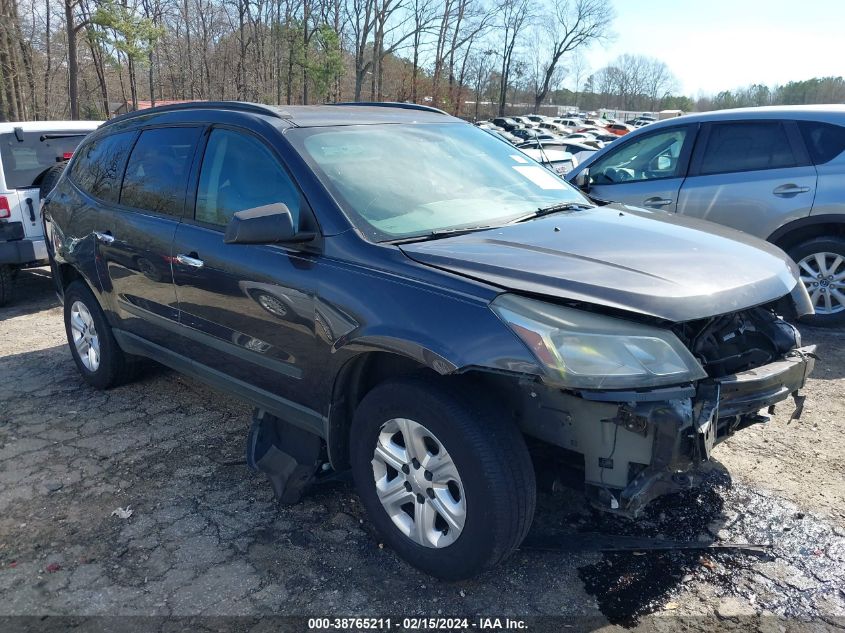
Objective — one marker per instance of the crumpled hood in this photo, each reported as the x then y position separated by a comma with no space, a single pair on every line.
652,263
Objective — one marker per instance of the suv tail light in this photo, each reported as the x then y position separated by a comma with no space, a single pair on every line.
67,155
5,209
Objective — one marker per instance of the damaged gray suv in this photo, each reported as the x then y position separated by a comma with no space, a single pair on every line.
400,294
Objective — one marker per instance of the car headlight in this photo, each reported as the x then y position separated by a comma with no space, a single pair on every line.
592,351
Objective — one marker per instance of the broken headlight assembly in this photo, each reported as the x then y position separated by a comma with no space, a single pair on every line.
582,350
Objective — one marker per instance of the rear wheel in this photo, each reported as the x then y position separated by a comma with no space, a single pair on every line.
95,351
7,283
49,179
445,479
822,267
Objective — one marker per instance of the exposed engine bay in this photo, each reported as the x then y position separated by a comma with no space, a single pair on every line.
740,341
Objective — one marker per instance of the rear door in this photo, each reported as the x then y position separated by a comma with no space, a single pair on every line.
135,235
645,171
750,175
247,310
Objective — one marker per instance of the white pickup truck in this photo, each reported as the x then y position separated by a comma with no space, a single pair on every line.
28,151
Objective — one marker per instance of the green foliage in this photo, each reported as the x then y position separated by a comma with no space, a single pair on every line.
125,30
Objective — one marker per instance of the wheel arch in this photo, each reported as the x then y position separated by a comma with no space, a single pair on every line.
790,235
363,372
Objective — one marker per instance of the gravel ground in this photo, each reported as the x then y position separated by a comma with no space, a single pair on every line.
205,537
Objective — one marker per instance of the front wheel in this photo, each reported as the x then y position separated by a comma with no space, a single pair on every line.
822,267
445,479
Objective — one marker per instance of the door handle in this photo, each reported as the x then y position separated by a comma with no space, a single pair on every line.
31,210
187,260
657,202
104,237
789,190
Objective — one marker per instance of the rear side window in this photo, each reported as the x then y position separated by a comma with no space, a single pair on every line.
824,141
750,146
26,160
98,166
157,172
239,172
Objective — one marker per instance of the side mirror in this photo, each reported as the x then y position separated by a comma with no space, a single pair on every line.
582,180
660,163
269,224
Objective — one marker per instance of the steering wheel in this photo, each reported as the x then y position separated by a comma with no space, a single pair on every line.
618,175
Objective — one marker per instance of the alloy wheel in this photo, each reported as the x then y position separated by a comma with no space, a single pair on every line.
823,274
418,484
85,337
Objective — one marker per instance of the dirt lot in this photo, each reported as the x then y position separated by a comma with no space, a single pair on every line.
206,538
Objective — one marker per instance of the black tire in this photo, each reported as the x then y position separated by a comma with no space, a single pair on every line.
7,284
822,245
489,453
49,179
115,366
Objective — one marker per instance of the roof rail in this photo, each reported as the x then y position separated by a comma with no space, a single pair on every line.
241,106
392,104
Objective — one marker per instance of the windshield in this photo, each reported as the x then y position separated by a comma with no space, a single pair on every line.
24,161
402,181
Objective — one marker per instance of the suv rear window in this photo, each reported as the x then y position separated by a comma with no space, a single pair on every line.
24,161
98,166
824,141
747,146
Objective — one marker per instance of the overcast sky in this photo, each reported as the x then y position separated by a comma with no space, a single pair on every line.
714,45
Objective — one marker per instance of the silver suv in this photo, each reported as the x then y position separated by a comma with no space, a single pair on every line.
777,173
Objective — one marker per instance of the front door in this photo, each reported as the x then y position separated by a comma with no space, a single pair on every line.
135,236
645,171
247,311
754,176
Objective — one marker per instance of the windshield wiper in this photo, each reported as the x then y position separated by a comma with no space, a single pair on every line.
554,208
440,233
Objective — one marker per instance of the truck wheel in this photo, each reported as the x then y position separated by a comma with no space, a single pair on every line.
822,266
97,355
445,478
49,179
7,283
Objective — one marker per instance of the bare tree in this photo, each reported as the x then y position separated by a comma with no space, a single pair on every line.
575,24
513,16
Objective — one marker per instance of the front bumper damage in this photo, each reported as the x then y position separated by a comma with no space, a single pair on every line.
639,445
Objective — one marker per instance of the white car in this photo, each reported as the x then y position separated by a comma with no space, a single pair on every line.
28,151
556,160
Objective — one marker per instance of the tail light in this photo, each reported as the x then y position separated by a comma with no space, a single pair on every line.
67,155
5,209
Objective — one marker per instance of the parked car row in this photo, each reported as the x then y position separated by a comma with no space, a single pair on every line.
777,173
409,298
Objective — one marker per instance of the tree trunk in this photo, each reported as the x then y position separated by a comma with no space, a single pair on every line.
48,65
72,59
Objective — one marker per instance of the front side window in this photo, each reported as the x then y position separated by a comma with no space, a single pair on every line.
157,172
24,161
98,166
648,157
238,173
747,146
403,181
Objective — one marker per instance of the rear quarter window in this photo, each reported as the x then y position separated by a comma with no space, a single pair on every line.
98,165
824,141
